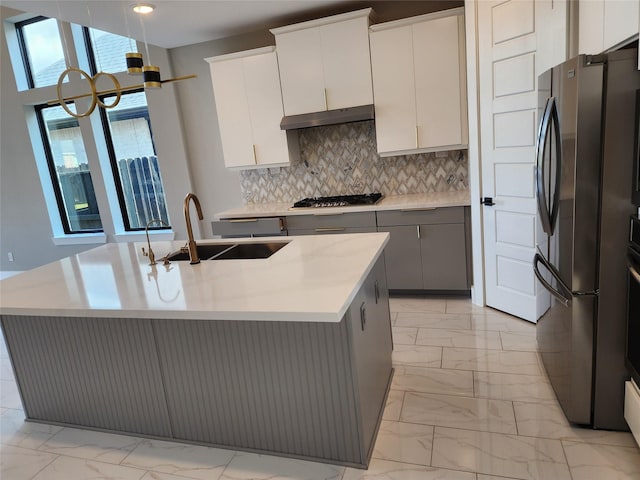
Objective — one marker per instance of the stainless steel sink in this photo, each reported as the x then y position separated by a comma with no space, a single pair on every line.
230,251
251,251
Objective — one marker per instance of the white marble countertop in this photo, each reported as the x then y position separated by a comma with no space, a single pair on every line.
416,201
313,278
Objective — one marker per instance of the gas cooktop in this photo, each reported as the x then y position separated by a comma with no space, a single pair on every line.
339,201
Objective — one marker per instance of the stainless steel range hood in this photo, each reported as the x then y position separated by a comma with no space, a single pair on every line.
329,117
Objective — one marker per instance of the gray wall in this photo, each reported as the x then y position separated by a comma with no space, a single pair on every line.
185,130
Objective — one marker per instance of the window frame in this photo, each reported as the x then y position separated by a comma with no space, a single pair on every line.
24,53
51,167
106,130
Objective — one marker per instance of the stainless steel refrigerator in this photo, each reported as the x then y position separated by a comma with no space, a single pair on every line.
583,178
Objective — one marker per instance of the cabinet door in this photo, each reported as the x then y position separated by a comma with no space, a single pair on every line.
591,26
370,336
262,83
444,261
402,258
620,21
436,51
394,89
234,118
301,75
346,63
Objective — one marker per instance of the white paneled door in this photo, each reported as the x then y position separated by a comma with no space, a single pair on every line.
508,112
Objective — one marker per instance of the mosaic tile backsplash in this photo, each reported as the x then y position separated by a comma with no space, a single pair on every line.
342,159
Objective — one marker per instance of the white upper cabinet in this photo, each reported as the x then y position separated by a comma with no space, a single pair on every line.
552,42
246,86
604,24
325,64
419,83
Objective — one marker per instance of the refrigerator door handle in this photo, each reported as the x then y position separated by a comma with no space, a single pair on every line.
634,272
548,213
563,299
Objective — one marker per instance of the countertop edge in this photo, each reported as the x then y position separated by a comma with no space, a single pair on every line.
393,202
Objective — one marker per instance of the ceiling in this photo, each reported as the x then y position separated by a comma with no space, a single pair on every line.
176,23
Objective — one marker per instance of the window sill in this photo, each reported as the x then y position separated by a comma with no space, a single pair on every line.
80,239
154,235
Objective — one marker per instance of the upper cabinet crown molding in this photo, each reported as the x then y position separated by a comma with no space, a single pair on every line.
365,12
245,53
325,64
417,19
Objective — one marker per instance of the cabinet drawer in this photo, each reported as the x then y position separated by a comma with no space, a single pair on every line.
240,227
340,220
418,217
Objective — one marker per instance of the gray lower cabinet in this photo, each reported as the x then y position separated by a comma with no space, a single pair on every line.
319,224
249,227
428,249
313,390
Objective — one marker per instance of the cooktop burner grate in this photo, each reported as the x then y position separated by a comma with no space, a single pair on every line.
339,201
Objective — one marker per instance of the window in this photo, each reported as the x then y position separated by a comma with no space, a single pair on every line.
134,161
69,169
108,50
42,51
125,130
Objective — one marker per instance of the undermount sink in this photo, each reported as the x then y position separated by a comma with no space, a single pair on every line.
230,251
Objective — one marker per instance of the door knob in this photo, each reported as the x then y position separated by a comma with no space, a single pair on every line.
488,201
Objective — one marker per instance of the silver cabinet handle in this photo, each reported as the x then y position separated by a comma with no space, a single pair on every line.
418,231
255,158
326,104
376,291
330,229
363,316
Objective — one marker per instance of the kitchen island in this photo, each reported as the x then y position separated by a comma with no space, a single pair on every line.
289,355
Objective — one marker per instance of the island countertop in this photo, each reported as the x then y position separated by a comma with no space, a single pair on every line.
311,279
415,201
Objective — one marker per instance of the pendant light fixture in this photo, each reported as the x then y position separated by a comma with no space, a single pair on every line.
135,66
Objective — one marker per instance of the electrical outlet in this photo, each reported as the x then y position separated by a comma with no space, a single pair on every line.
10,255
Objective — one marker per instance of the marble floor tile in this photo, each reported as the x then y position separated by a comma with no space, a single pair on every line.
598,462
462,305
417,304
548,421
458,321
15,431
404,442
482,476
385,470
433,380
500,322
520,341
507,386
251,466
9,395
404,335
22,463
491,361
417,355
394,405
160,476
459,412
90,445
64,468
191,461
444,337
500,455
